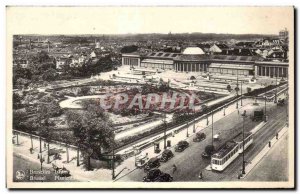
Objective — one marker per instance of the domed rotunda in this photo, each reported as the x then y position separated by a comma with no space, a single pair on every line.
192,59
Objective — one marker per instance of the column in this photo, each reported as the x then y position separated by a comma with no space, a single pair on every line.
265,71
255,70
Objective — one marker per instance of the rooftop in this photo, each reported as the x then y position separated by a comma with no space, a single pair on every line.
193,51
192,57
162,55
224,150
239,137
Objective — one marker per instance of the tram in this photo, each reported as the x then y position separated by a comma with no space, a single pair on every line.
230,151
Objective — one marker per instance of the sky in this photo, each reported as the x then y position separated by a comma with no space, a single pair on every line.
123,20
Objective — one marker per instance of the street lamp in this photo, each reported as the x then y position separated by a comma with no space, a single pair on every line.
275,100
41,160
113,163
165,131
241,93
187,129
265,109
243,167
40,144
212,129
287,110
194,127
207,120
237,87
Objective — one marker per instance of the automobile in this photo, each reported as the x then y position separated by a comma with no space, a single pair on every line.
62,172
140,160
152,175
206,155
280,102
164,177
199,137
152,163
209,151
216,137
166,155
181,146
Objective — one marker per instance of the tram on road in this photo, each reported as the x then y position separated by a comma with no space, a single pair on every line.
230,151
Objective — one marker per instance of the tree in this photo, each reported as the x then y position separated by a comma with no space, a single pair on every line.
229,88
84,90
49,75
93,131
20,73
16,100
46,109
192,77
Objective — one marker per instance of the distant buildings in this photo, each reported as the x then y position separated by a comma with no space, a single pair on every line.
194,59
283,34
231,57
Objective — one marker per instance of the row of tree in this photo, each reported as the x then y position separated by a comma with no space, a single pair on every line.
91,131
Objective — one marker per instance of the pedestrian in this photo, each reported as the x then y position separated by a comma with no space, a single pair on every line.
174,168
200,175
277,136
269,144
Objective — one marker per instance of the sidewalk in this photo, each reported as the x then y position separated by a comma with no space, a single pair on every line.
264,152
274,165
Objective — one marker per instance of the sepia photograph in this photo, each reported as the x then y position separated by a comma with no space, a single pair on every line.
138,97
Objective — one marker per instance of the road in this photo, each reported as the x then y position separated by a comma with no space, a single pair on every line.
190,163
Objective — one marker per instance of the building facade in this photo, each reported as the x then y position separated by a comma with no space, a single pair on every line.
193,59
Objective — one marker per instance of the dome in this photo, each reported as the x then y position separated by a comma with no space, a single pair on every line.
193,51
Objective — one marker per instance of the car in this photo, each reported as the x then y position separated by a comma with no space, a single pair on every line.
181,146
164,177
206,155
199,137
280,102
152,163
209,151
166,155
152,175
